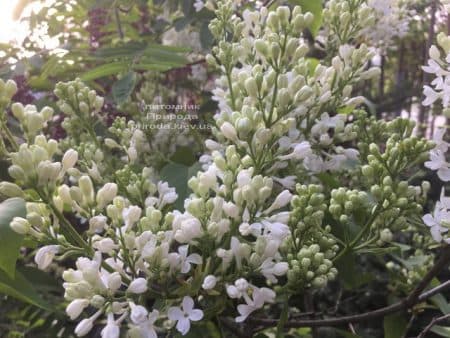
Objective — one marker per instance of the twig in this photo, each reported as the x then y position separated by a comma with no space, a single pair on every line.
353,318
415,297
435,321
118,22
409,326
438,266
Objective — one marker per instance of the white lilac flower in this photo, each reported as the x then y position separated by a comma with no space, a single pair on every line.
138,313
97,224
166,194
438,162
239,289
288,182
270,269
131,215
143,320
75,308
301,150
111,330
438,139
260,296
44,256
239,251
198,5
184,315
105,245
186,227
86,325
439,220
182,260
283,199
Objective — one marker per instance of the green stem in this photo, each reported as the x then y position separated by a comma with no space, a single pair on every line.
230,85
283,318
358,237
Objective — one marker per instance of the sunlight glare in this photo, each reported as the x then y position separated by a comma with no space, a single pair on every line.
10,29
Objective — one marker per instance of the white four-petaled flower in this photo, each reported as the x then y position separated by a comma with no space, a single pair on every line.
184,315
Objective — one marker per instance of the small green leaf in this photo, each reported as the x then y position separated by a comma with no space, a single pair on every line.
20,288
316,8
394,325
312,65
443,331
346,110
123,88
105,70
441,302
328,180
10,241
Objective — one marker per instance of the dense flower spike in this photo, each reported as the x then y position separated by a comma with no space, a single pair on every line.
294,178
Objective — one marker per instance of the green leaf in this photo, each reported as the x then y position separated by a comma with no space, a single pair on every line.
123,88
378,251
10,241
177,175
328,180
206,38
443,331
183,155
312,65
20,288
351,276
316,8
441,302
151,66
105,70
41,280
394,326
346,110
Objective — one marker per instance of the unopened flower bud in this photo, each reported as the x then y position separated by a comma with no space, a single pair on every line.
106,194
209,282
138,286
20,225
9,189
69,159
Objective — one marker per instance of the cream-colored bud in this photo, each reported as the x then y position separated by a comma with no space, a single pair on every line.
106,194
283,13
47,113
86,188
99,102
10,88
20,225
251,87
18,111
69,159
9,189
262,47
110,143
228,131
309,18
